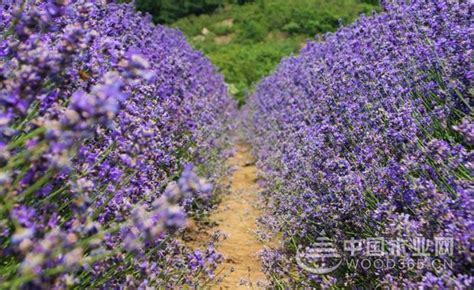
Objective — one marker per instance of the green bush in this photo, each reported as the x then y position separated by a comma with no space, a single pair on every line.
251,31
220,29
292,28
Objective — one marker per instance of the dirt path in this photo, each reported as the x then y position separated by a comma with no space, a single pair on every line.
236,217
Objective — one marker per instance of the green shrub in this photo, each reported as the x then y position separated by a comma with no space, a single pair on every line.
252,31
292,28
220,29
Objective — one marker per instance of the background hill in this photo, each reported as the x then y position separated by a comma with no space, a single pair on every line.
238,35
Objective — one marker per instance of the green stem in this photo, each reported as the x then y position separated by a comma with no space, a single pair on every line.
22,140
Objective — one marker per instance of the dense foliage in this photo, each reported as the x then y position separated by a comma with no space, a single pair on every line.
101,116
169,11
247,41
369,133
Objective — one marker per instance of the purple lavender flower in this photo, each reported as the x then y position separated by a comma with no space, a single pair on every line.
99,111
368,133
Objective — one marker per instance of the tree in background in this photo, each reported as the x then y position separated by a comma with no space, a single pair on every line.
168,11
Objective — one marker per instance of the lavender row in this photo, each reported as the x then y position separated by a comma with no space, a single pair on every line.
368,133
102,116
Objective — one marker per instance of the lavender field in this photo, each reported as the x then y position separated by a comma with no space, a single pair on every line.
126,164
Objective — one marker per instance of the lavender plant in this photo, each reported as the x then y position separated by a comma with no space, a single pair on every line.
101,116
368,133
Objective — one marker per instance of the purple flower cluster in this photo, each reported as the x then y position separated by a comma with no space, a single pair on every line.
369,133
101,115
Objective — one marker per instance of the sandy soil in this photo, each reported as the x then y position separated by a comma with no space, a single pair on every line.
236,216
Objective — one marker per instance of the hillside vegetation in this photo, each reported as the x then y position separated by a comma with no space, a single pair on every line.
169,11
247,41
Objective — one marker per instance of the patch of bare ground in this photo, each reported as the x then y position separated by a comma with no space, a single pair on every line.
236,217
